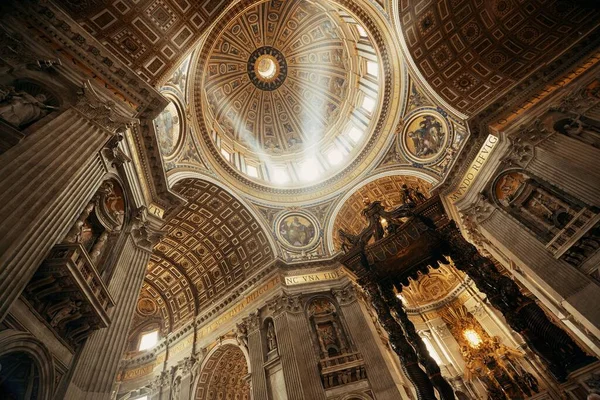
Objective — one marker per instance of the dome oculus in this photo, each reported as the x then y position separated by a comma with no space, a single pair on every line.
267,68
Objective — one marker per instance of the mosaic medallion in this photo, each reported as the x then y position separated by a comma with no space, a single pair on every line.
297,230
425,137
146,307
267,68
168,129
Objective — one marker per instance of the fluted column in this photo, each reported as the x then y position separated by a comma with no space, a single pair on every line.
285,347
433,370
568,164
565,283
45,182
559,352
564,161
257,358
98,363
378,372
306,358
398,342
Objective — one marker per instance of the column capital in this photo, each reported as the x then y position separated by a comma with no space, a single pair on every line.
277,305
252,322
144,236
345,296
293,304
523,142
472,217
101,112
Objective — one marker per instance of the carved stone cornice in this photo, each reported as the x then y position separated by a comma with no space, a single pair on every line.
13,50
86,57
345,296
73,39
102,112
573,62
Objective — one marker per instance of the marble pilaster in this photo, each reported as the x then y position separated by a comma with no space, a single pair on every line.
256,352
306,359
563,283
568,164
98,363
46,181
378,373
286,351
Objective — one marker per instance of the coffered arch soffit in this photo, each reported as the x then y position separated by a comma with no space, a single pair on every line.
223,372
151,36
470,51
392,95
212,244
384,187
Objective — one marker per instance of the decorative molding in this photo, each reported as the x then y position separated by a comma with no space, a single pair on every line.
252,322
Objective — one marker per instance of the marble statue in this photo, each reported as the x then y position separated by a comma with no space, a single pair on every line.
21,108
271,339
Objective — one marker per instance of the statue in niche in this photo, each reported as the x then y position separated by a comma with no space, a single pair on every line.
581,128
271,338
327,327
20,108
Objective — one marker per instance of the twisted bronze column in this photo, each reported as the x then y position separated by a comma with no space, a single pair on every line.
408,358
433,370
561,354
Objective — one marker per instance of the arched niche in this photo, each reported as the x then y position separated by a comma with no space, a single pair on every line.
224,374
27,368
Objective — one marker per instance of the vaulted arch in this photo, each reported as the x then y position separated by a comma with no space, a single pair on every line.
224,375
387,189
470,51
213,243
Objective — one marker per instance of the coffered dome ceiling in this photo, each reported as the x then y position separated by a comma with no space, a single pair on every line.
290,96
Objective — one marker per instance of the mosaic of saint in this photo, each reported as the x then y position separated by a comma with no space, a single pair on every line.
297,230
425,137
168,129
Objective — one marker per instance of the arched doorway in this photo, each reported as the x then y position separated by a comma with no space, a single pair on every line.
19,377
224,376
26,367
